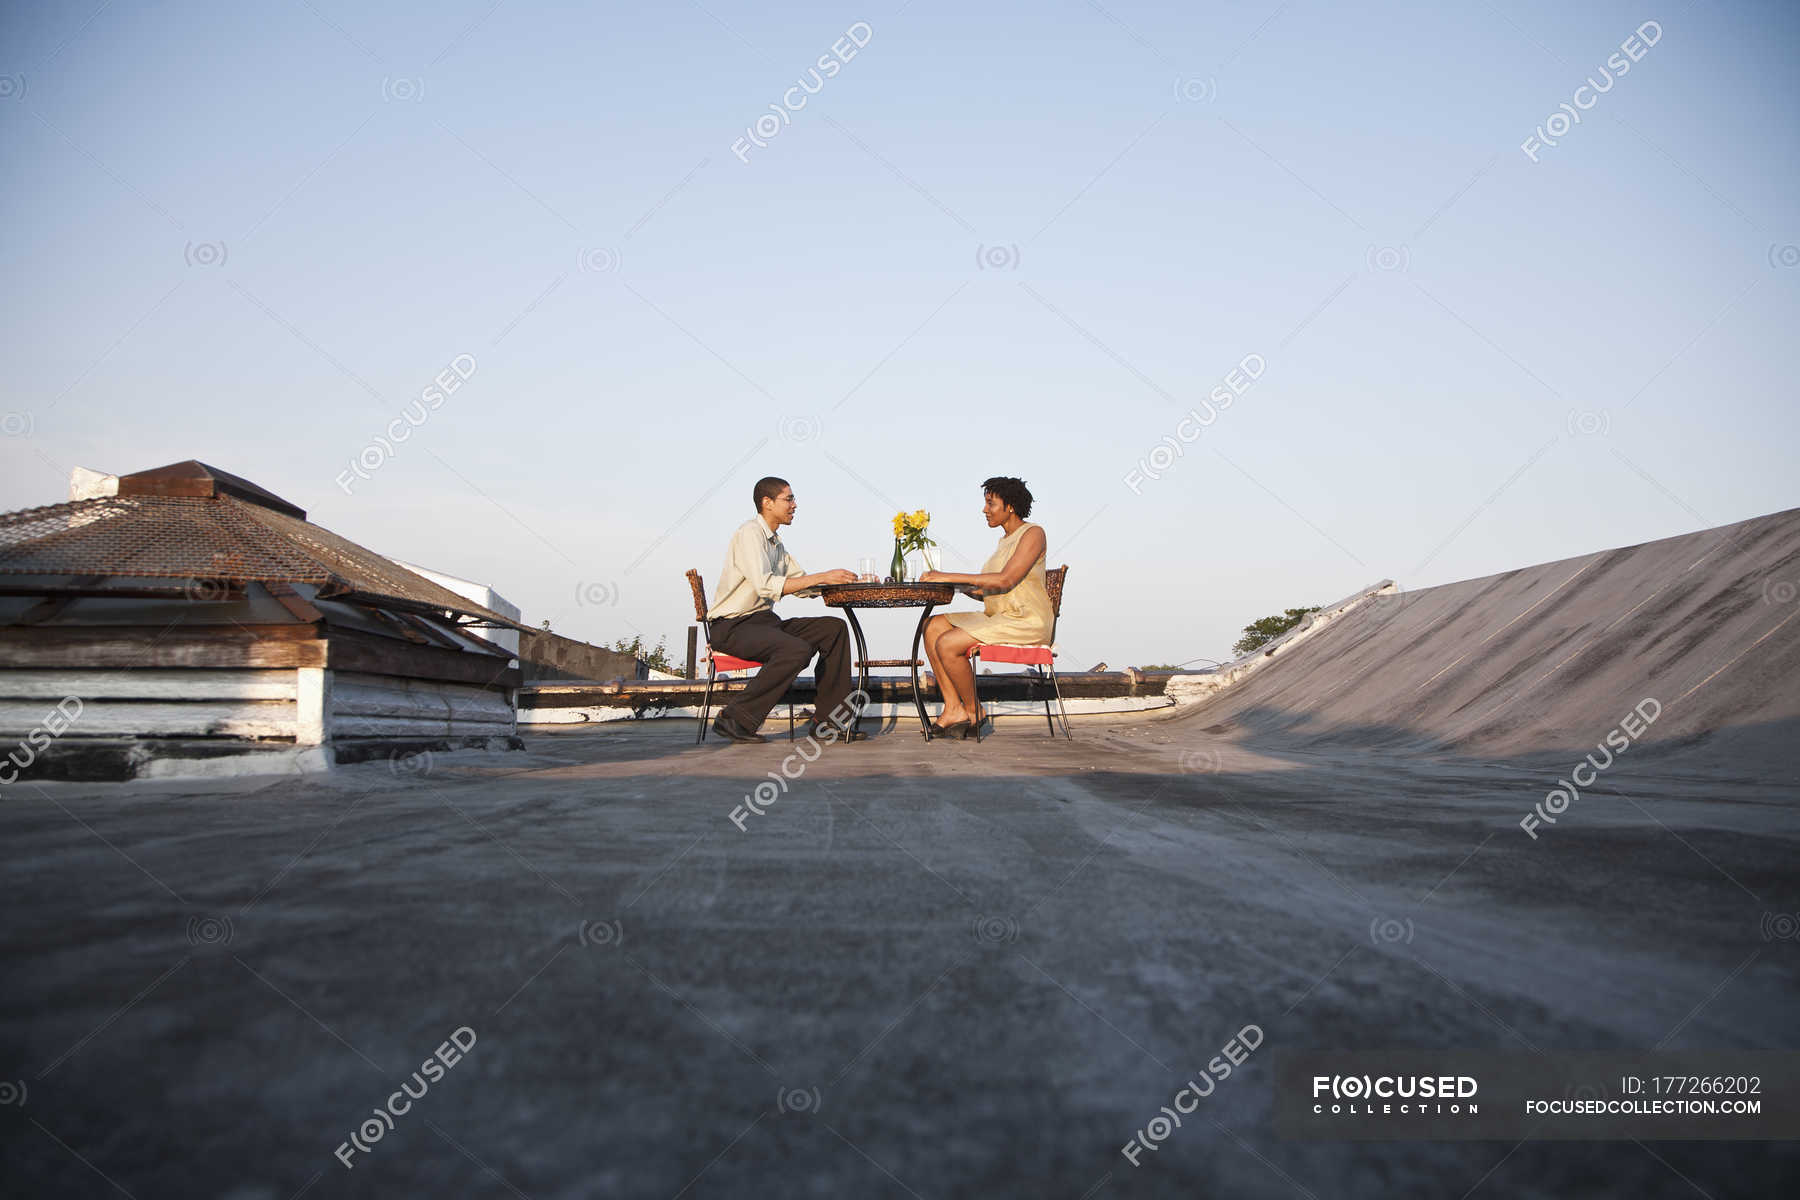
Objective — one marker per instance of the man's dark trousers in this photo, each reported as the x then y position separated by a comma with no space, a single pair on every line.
784,648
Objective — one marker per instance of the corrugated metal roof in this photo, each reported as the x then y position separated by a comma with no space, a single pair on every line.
221,537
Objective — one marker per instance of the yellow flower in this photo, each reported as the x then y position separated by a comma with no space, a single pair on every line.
910,526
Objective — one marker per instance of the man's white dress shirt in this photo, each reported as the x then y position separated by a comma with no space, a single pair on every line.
756,566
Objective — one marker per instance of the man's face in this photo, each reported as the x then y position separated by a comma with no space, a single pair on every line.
780,510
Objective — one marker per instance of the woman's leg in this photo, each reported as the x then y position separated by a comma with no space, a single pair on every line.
955,675
935,630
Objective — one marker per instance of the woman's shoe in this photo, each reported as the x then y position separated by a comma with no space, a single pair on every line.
979,728
956,729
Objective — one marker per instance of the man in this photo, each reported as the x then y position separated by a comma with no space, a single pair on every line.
759,571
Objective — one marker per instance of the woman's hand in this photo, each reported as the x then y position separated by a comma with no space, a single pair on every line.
932,577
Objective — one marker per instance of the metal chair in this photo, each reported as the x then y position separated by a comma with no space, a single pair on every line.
716,662
1040,659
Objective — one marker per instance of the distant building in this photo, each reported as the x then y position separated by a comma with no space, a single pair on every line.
184,620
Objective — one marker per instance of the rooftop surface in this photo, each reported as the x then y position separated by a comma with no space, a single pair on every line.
962,969
946,969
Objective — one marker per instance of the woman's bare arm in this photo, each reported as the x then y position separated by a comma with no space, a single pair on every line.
1027,552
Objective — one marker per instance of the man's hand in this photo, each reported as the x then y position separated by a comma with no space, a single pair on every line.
808,583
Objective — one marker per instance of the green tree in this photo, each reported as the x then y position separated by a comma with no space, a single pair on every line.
657,659
1258,634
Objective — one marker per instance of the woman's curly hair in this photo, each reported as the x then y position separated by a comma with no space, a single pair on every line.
1011,491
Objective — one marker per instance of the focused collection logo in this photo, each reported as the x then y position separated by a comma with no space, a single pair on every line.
1394,1095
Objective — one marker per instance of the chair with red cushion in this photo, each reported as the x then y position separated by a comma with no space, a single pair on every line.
716,661
1039,659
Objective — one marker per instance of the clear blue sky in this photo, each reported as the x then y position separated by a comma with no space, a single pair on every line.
1474,361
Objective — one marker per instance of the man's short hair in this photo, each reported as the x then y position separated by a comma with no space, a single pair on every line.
767,488
1011,490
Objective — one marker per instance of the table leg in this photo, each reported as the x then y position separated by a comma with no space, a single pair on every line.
918,698
862,659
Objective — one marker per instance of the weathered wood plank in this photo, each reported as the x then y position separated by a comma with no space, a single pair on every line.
350,700
385,656
218,718
373,726
145,647
369,705
434,687
293,601
148,685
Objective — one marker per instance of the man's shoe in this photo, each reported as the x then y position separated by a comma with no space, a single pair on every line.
726,729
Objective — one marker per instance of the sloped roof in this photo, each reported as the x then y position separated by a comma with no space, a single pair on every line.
214,526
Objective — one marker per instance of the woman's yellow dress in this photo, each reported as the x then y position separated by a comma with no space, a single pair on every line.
1022,616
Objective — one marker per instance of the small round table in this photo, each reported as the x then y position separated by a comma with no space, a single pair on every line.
923,596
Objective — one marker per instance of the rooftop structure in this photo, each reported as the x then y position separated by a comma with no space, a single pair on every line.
213,531
193,620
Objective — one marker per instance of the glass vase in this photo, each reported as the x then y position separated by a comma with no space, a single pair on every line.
897,569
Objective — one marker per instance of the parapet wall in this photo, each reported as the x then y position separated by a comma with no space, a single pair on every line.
547,656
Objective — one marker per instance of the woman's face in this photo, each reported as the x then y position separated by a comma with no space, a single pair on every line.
994,509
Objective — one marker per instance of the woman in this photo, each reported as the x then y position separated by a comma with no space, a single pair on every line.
1015,606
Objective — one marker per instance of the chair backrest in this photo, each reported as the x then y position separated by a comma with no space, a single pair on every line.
700,595
1053,583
